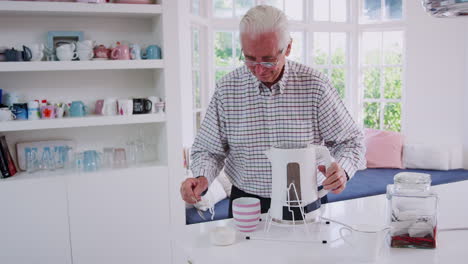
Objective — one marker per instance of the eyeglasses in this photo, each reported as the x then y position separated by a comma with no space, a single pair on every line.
266,64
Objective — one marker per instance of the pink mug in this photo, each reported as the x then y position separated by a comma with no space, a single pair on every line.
98,109
121,52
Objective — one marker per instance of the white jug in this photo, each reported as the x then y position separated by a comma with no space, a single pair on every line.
294,191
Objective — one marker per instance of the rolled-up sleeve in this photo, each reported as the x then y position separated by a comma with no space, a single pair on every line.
210,147
340,133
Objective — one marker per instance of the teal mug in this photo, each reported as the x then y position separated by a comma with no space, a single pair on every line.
153,52
77,109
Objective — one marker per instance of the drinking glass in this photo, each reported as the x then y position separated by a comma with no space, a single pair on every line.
120,159
108,158
48,160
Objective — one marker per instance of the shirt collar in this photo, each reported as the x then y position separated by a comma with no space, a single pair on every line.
278,87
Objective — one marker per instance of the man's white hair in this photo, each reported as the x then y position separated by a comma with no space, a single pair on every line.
263,19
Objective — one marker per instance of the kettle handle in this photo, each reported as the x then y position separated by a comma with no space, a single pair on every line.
324,154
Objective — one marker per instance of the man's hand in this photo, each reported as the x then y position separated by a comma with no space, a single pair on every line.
335,178
192,188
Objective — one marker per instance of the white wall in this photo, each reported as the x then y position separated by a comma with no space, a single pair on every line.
435,82
465,117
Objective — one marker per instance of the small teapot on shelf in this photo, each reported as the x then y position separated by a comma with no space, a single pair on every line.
101,53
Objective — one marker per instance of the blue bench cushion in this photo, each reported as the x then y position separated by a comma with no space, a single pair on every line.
364,183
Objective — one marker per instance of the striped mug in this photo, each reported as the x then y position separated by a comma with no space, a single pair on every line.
246,213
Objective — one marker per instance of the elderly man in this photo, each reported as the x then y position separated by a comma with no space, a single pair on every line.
270,101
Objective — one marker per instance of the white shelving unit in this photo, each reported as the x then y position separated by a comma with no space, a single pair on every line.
87,121
79,9
23,66
137,205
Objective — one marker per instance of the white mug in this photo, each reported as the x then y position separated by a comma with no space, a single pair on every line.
66,48
66,55
154,100
110,106
366,241
125,107
37,51
85,55
85,44
6,114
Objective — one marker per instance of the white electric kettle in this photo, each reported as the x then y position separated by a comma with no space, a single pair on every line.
294,194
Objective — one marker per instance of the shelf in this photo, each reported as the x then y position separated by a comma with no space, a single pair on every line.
148,167
78,9
22,66
88,121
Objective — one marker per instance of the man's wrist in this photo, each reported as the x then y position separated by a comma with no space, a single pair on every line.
205,191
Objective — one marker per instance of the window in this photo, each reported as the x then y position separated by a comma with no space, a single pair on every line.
329,56
227,51
330,10
381,79
381,10
363,58
196,77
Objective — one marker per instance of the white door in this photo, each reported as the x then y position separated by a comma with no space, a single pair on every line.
34,221
120,216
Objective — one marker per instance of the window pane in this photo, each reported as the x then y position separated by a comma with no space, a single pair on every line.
197,120
338,48
338,79
371,83
238,54
223,49
338,10
294,9
196,88
393,9
196,47
220,74
323,70
223,8
276,3
297,47
372,10
372,115
392,117
371,47
393,47
392,83
321,48
242,6
321,10
195,7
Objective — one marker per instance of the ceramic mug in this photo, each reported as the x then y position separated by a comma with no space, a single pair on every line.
66,55
48,112
77,109
33,110
153,52
110,107
154,100
20,111
141,106
135,53
125,107
85,55
246,212
12,98
37,51
6,114
85,45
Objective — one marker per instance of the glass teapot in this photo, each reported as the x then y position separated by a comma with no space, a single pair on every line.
412,211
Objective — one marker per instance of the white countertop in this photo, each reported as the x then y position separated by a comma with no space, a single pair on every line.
194,244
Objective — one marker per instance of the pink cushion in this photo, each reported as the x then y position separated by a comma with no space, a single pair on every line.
384,149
